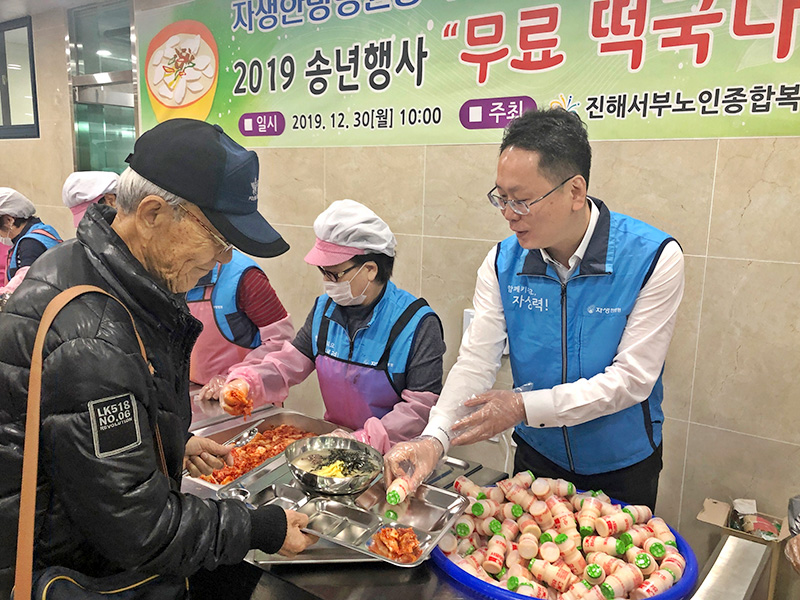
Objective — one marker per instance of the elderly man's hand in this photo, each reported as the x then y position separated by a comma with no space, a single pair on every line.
499,410
793,552
296,541
203,455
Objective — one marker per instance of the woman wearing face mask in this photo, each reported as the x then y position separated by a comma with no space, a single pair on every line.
24,236
377,349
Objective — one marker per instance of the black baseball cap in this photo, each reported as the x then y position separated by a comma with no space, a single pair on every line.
200,163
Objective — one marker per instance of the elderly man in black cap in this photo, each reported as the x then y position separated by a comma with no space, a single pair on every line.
189,197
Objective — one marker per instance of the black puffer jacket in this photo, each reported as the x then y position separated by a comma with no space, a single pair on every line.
102,504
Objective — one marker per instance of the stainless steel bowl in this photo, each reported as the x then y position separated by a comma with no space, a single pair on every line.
333,485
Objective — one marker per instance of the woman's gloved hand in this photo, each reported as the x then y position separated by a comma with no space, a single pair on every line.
234,398
296,541
415,460
339,432
211,390
792,552
203,455
499,410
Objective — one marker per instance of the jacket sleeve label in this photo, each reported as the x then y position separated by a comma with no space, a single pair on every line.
115,425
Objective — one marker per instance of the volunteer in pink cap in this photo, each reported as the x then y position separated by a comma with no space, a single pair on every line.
84,188
377,349
23,235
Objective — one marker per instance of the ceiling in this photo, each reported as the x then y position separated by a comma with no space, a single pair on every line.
12,9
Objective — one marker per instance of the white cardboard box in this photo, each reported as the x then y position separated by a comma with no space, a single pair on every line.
716,512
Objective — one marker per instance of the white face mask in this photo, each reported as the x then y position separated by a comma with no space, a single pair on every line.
340,292
5,240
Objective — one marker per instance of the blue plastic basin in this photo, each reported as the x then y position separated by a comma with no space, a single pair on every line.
480,589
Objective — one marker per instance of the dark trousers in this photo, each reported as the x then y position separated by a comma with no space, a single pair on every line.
231,582
637,484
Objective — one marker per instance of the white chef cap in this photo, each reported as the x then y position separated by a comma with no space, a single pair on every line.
14,204
346,229
87,187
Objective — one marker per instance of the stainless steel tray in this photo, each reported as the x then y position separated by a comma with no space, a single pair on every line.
290,496
273,417
448,469
350,521
322,552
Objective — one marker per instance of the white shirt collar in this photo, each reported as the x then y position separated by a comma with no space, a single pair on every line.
564,272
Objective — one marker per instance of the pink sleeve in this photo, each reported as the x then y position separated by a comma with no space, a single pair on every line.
271,374
15,281
273,337
405,421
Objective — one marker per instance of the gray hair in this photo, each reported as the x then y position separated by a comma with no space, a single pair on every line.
133,188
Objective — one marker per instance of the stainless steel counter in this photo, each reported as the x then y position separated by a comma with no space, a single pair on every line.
352,580
730,573
370,580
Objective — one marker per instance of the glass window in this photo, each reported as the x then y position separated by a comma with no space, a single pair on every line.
18,112
101,35
104,136
105,113
2,111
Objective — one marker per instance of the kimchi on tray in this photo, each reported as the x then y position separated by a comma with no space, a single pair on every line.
264,445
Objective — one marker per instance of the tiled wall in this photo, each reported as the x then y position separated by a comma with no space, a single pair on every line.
38,167
732,405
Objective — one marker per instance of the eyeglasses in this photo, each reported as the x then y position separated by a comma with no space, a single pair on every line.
225,245
331,276
521,207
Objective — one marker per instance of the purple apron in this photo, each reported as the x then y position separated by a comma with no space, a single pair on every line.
353,393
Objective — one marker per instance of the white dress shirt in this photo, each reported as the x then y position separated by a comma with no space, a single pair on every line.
627,381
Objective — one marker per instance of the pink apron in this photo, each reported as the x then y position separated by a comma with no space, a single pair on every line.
212,354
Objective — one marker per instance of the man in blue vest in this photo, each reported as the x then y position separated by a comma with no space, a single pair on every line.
588,300
25,233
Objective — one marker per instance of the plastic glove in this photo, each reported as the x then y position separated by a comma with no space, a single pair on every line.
296,541
415,460
212,389
792,552
499,410
203,455
339,432
234,398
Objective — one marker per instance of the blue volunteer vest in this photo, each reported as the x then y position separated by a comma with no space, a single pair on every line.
46,234
559,333
231,321
385,343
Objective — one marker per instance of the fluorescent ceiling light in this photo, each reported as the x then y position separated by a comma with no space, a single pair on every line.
104,53
14,67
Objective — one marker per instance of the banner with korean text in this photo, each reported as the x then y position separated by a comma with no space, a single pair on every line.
296,73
